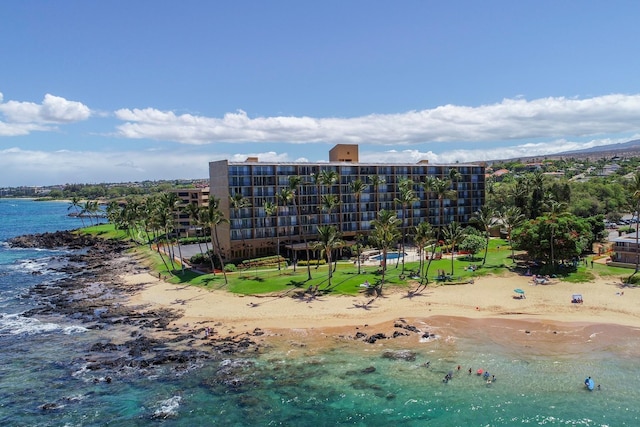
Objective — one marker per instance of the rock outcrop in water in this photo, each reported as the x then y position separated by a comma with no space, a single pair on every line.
56,240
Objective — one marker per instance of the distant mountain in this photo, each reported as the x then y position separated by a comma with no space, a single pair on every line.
630,146
624,149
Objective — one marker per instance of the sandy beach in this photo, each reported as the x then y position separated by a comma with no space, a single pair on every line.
605,302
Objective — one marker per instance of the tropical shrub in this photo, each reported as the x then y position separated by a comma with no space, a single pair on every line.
229,268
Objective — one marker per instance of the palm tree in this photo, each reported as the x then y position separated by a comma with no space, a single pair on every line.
521,196
376,181
328,178
453,234
407,198
74,204
172,204
213,218
294,184
239,202
512,217
114,214
89,208
316,180
145,213
442,191
285,197
536,183
193,210
270,209
358,245
454,177
556,209
634,187
423,236
385,234
328,240
163,220
486,218
329,203
93,208
357,187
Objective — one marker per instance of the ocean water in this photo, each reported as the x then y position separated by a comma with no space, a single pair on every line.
302,379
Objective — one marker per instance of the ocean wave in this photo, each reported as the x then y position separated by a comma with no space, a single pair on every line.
31,266
16,324
167,408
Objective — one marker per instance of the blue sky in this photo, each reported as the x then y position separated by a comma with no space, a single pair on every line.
131,90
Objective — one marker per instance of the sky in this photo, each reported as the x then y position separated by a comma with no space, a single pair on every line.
118,91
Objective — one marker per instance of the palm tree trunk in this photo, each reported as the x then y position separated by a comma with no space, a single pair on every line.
433,254
211,253
180,254
306,244
159,250
637,241
384,267
486,249
452,252
278,234
217,239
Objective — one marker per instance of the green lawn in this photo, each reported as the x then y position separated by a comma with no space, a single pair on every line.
345,280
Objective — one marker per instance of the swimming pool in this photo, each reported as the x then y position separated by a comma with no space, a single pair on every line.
390,255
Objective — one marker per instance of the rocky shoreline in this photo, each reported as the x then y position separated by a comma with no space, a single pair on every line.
93,293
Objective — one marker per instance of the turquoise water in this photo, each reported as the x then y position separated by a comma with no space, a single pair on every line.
390,255
301,380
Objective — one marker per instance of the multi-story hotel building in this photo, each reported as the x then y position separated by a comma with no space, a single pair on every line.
194,196
252,232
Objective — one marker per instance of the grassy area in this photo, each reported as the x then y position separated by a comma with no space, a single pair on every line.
107,231
346,280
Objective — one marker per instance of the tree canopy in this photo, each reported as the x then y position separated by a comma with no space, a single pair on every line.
569,236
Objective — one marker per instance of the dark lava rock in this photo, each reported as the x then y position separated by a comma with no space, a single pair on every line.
407,327
375,337
59,239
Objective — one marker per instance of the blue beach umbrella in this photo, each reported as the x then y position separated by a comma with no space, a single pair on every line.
518,291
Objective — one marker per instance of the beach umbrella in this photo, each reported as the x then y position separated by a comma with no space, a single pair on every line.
518,291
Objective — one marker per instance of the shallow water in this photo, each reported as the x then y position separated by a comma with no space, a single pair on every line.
307,380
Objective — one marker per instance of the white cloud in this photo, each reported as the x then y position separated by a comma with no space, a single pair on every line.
511,119
483,154
52,110
18,129
59,110
35,167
